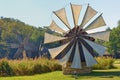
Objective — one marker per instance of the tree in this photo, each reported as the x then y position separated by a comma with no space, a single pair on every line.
114,43
119,22
108,29
8,27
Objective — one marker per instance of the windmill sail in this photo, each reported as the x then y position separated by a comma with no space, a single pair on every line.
50,38
76,9
65,59
104,35
90,61
90,13
61,14
98,22
98,48
56,28
19,51
76,60
55,51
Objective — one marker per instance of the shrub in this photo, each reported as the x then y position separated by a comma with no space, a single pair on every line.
29,66
104,63
23,68
5,69
37,69
117,61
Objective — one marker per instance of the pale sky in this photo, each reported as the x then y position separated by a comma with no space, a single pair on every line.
38,12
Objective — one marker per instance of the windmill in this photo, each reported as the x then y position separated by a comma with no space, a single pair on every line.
78,45
24,47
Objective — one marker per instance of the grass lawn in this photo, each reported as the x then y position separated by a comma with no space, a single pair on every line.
112,74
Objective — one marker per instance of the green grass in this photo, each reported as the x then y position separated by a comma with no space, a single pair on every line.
112,74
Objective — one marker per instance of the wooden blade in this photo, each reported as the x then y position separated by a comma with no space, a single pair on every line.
13,45
98,48
61,14
53,26
90,13
50,38
103,35
65,59
90,61
76,60
20,39
98,22
26,39
76,9
18,52
55,51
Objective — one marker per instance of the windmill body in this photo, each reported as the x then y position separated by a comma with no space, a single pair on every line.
78,47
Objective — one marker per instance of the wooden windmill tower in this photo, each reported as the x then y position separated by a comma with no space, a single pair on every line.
76,52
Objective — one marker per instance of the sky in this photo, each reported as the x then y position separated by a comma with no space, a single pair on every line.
39,12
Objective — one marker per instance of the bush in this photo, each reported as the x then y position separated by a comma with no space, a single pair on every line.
37,69
29,66
117,61
104,63
5,69
21,67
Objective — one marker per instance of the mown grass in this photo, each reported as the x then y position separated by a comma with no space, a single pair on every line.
112,74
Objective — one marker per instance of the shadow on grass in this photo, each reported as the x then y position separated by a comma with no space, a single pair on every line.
102,74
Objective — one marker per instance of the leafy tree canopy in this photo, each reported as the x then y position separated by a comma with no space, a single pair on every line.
114,43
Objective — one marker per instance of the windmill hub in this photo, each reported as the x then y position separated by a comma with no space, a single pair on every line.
76,32
21,46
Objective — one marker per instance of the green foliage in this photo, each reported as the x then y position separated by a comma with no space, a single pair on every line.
114,43
108,29
29,66
5,69
119,22
7,28
104,63
9,25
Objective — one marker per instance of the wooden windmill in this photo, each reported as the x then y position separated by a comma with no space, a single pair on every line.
24,47
78,46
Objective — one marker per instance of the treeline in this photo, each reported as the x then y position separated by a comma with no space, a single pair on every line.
11,29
